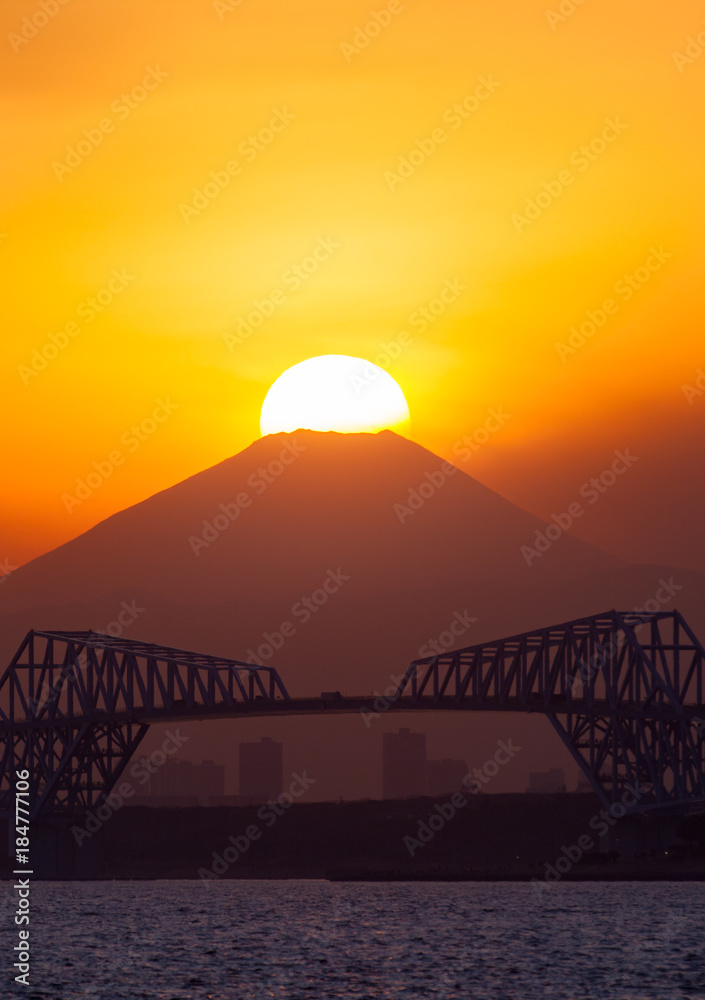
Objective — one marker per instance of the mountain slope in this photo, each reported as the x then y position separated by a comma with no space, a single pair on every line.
273,520
368,549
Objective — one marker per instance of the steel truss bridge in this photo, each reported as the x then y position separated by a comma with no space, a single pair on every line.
624,692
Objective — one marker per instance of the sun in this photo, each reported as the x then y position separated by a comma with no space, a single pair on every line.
334,392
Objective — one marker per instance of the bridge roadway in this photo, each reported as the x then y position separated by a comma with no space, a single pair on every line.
625,693
377,705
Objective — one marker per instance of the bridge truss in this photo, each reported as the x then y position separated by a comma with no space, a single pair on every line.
74,707
624,692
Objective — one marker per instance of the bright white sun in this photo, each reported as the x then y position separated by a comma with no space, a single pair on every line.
334,392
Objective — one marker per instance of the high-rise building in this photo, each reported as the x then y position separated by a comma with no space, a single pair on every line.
261,769
187,783
403,764
443,777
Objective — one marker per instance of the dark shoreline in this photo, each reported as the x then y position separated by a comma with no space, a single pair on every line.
496,838
406,877
643,876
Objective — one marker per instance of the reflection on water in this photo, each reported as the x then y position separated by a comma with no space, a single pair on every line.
292,940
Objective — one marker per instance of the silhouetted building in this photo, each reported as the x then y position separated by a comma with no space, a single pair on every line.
443,777
183,781
403,764
546,782
261,770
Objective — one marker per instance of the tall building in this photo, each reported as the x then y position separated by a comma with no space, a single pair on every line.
261,769
187,783
547,782
443,777
403,764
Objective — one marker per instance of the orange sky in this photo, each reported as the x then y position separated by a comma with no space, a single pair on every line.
117,220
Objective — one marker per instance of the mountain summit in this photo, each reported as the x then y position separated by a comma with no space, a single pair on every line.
337,558
270,522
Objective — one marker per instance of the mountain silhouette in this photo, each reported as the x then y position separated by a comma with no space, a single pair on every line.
272,520
337,558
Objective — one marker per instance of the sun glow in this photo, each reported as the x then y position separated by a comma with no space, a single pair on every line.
334,392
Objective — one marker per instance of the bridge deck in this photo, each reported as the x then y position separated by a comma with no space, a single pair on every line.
625,693
377,706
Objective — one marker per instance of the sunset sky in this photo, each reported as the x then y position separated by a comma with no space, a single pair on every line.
309,135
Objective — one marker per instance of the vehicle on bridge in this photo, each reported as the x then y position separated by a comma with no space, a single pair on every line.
623,690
